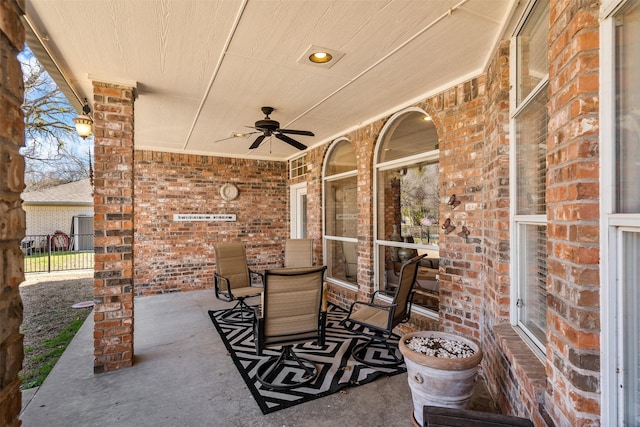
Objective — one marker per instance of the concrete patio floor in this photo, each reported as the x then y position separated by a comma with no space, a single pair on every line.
183,376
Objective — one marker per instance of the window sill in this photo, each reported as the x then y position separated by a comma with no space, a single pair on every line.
527,368
343,284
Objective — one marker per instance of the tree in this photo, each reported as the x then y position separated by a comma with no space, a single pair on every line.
54,154
419,195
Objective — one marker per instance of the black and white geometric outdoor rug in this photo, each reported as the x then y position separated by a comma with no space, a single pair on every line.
337,369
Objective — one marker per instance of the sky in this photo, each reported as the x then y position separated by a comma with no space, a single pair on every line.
77,146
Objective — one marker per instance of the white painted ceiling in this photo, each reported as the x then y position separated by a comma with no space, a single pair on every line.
204,68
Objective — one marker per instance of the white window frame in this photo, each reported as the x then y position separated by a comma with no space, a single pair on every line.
300,169
325,238
392,164
298,214
612,225
518,220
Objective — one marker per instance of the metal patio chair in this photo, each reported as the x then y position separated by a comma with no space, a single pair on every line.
298,253
375,320
232,280
291,314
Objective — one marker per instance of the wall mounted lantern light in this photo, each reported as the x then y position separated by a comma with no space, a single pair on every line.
83,122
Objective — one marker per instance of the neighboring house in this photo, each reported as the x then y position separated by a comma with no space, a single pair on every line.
67,208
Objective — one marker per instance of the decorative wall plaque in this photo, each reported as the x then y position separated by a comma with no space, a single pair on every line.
229,192
204,217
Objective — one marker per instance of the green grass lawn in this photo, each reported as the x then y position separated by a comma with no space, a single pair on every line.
46,355
60,261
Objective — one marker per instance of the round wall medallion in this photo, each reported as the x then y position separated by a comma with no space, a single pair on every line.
229,192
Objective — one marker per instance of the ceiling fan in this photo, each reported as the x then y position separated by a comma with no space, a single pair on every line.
270,127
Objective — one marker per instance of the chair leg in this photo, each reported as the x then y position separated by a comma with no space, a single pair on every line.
390,355
269,371
239,313
322,326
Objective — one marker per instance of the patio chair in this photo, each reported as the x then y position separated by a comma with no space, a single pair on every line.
437,416
375,320
232,280
291,314
298,253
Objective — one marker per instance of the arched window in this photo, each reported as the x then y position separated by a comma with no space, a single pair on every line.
341,214
407,203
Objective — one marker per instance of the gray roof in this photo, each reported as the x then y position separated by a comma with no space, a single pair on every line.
73,193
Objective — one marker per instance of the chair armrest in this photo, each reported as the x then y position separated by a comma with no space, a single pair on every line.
380,306
218,277
344,322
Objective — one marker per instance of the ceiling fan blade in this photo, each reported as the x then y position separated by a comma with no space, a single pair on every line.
297,132
290,141
257,142
237,135
224,139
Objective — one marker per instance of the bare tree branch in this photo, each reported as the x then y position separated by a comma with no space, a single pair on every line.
52,147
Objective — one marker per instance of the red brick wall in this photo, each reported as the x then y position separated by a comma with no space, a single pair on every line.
177,256
364,140
12,222
458,116
515,374
495,192
113,225
573,350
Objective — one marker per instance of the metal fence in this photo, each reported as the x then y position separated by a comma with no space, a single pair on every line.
57,252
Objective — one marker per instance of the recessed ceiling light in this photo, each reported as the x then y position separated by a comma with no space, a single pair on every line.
427,118
320,57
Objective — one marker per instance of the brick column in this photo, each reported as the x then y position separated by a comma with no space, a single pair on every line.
573,316
364,141
113,223
12,222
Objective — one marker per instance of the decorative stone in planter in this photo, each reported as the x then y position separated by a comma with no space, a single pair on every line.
441,369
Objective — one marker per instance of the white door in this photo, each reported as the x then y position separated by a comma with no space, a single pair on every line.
299,211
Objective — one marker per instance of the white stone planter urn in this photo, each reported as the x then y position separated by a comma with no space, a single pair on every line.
441,369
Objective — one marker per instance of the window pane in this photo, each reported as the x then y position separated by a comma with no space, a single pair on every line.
341,209
427,290
408,202
342,159
630,277
532,51
303,216
531,152
342,261
298,166
410,134
628,109
533,280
